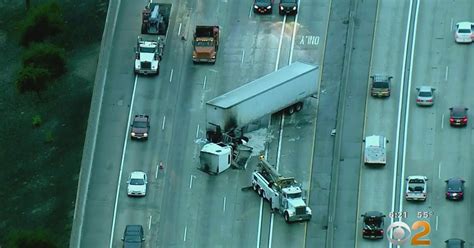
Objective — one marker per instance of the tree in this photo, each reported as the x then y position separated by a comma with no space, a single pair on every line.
42,21
30,239
33,79
46,56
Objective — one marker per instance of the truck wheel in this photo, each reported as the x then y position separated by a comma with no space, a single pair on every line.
254,186
290,110
287,217
260,192
298,106
264,196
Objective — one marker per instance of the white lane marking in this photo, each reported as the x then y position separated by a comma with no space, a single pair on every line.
293,37
223,208
122,162
149,223
197,131
179,29
279,142
442,121
446,74
164,121
250,12
407,107
171,75
399,115
156,173
185,231
271,231
259,230
191,182
452,25
436,223
279,43
204,84
243,56
439,170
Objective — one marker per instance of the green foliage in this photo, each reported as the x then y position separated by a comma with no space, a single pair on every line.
41,22
30,239
46,56
49,136
32,79
37,121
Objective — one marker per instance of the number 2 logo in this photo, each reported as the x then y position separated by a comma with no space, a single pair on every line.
401,232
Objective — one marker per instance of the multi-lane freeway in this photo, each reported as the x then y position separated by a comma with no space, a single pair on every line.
350,40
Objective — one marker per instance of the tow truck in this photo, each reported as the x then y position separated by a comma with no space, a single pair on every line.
283,193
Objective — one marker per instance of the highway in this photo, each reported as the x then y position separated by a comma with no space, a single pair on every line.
421,140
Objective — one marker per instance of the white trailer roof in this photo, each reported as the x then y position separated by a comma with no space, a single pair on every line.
262,84
217,149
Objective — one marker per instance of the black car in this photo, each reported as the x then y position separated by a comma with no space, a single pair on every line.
454,189
263,6
373,225
133,236
454,243
458,116
140,127
288,7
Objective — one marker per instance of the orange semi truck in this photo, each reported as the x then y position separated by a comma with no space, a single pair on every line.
205,43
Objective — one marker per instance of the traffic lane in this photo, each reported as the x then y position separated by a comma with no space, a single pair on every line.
113,121
310,32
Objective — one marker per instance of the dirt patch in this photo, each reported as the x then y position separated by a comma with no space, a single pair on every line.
40,166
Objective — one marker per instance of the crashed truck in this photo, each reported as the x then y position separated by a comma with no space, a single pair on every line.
228,115
285,194
155,18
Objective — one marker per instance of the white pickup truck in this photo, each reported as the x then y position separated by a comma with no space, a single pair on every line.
375,150
416,188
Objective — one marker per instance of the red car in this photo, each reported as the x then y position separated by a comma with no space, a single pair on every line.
458,116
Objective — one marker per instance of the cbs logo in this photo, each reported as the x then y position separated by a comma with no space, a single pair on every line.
401,233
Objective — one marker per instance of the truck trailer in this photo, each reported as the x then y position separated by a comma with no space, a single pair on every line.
205,44
283,193
284,89
375,150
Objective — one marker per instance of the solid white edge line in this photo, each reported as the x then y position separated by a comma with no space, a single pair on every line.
407,107
270,236
405,50
290,60
279,42
204,84
171,75
179,29
164,121
122,162
280,138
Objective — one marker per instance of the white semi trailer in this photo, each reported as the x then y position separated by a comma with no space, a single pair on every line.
284,89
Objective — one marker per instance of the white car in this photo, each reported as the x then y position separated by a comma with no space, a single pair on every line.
425,96
464,32
416,188
137,182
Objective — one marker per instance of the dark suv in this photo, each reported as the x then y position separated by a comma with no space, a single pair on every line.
454,189
133,236
140,127
288,7
373,225
380,86
263,6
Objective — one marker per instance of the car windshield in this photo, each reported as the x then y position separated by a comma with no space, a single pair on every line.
262,1
294,195
139,124
204,43
464,31
380,84
425,94
373,221
459,113
136,181
147,50
132,239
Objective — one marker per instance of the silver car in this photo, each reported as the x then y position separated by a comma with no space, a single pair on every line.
425,96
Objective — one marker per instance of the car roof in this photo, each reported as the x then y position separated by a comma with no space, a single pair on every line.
425,89
417,177
464,25
141,117
381,78
454,181
137,174
133,228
